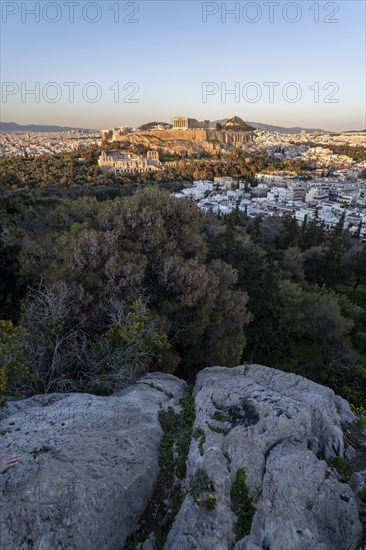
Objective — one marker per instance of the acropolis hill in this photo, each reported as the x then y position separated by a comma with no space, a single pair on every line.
187,135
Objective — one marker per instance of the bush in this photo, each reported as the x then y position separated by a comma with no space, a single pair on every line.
55,347
13,368
61,356
127,348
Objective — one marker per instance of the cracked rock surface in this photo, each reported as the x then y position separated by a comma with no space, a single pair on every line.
280,428
88,466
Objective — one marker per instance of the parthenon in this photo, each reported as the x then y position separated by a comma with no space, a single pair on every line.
186,123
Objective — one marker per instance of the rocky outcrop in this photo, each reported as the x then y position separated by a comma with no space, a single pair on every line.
260,472
280,430
88,469
192,141
238,124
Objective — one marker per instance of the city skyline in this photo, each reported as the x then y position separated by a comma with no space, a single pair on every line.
128,63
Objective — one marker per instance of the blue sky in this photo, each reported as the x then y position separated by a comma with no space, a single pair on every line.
170,52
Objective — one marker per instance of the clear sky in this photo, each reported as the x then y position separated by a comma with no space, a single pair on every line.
181,58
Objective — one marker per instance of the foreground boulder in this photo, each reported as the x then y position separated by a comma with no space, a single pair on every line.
258,445
276,431
88,469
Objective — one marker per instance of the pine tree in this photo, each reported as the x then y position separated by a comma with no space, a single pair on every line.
292,231
335,249
303,229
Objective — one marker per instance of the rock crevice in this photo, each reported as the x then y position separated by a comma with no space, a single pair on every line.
272,425
90,466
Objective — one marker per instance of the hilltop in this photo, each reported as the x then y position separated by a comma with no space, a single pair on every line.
237,124
269,127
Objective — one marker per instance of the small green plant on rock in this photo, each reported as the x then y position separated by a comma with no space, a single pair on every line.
161,533
158,388
132,541
343,468
202,490
360,412
241,505
41,450
222,417
218,430
354,431
175,444
199,434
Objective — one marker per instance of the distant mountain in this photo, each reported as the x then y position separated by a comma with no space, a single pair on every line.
13,127
283,130
151,125
270,128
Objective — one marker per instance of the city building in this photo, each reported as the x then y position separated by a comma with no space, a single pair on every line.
226,182
126,162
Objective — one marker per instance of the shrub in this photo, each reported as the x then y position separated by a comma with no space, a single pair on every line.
62,357
55,348
13,368
127,348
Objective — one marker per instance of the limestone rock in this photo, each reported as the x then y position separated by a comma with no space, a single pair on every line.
90,465
88,469
279,428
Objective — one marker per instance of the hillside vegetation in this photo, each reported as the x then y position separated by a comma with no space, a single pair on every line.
96,290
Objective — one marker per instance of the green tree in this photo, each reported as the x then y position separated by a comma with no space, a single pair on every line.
333,256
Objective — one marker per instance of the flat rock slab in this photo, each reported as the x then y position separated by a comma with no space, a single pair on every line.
88,469
280,428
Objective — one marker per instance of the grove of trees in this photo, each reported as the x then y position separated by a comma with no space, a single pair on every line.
95,290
